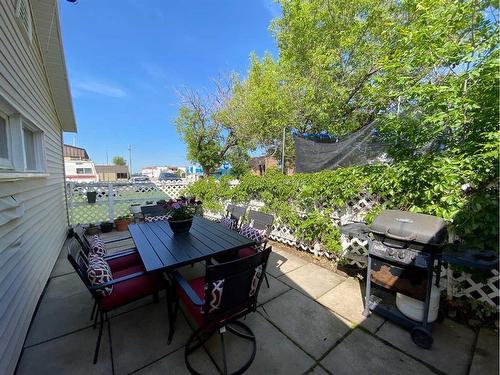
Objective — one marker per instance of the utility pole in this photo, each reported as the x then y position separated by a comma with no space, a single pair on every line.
107,158
283,152
130,160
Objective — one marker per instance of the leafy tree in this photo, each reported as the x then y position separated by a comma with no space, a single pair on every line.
239,159
208,137
119,160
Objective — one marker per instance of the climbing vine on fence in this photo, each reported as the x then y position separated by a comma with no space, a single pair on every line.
461,189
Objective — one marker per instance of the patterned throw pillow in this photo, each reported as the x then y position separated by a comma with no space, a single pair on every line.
258,235
150,219
97,246
228,223
98,272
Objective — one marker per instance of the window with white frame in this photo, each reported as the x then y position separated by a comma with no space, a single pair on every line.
21,142
5,161
34,156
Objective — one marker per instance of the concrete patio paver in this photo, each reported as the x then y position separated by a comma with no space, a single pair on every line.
71,354
347,299
312,280
450,353
275,353
485,360
139,337
361,353
276,288
281,262
65,307
312,326
174,364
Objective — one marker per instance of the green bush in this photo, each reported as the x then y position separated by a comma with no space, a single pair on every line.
461,189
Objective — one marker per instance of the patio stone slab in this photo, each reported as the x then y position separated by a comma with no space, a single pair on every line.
276,288
450,353
347,300
312,326
361,353
65,307
62,267
318,370
139,337
276,354
281,262
485,360
174,364
71,354
312,280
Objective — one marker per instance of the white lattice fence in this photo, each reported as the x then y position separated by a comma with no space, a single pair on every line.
114,199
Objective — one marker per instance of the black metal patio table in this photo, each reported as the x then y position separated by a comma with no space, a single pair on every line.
161,249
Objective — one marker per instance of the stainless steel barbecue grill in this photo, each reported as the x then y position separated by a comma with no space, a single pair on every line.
404,253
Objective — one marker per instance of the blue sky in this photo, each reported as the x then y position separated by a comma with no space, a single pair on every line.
127,58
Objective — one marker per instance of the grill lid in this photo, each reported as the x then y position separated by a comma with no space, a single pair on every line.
410,227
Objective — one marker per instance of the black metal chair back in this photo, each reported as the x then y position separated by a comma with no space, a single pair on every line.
232,288
79,234
78,259
157,210
260,220
238,213
229,209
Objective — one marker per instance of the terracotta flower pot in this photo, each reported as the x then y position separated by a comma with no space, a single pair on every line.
122,224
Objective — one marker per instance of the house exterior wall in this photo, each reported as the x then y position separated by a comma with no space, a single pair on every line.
29,244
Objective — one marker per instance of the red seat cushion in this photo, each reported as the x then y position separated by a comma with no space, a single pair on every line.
131,290
126,261
198,286
246,252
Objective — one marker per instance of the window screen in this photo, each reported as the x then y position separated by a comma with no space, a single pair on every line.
29,149
4,151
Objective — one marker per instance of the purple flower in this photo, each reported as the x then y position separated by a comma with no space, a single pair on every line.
176,206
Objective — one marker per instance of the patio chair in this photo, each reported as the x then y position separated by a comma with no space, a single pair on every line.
216,301
126,286
237,213
117,261
154,213
263,224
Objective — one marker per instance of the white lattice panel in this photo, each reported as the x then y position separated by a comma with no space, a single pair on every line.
487,292
114,199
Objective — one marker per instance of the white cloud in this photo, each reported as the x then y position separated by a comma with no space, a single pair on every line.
97,88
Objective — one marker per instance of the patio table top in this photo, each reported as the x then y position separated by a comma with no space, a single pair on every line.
161,249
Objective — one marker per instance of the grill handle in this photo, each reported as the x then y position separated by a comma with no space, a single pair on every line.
411,237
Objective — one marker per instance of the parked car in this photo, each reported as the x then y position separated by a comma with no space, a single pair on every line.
165,176
139,179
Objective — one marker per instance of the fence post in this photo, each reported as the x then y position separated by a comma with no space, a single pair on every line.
69,194
111,208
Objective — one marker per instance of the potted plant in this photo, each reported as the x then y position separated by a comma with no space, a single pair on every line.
122,222
91,229
180,213
135,208
91,196
106,227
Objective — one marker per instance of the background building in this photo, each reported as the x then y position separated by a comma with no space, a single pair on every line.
111,173
78,167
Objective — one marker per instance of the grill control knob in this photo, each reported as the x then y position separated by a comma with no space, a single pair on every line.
391,251
401,254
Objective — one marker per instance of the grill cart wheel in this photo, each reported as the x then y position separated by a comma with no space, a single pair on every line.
422,337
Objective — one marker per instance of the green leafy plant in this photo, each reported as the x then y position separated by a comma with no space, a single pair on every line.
182,209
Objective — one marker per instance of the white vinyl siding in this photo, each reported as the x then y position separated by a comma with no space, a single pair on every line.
30,244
